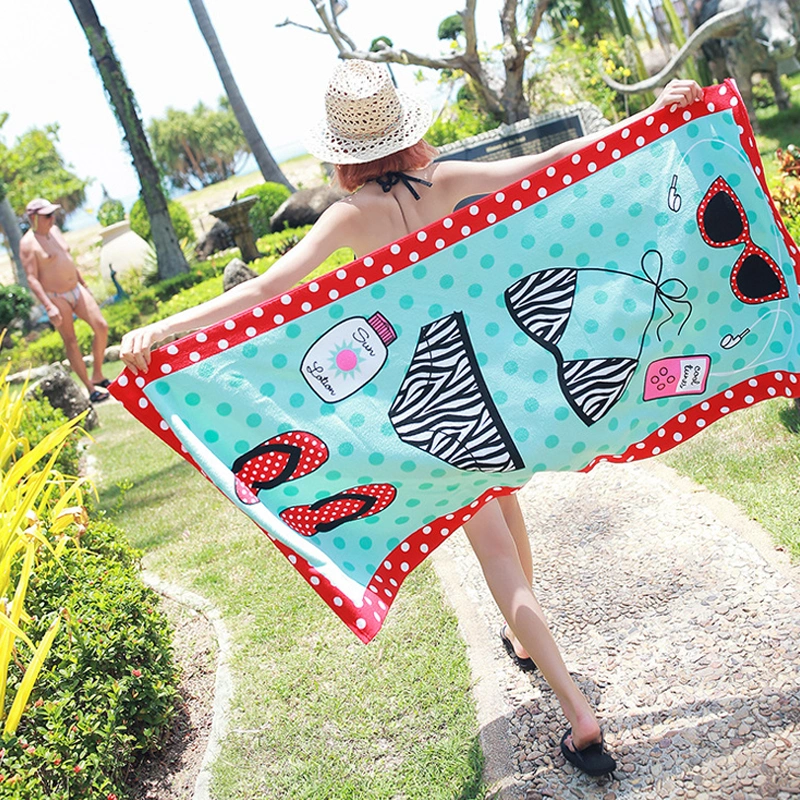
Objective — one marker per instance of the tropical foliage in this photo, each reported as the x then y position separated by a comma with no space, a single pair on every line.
197,148
33,167
15,305
41,514
569,73
110,212
786,191
107,692
181,223
459,121
270,197
87,680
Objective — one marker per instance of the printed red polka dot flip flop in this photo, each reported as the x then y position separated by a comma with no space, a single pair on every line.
346,506
282,458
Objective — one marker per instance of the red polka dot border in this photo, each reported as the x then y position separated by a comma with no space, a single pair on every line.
694,419
366,616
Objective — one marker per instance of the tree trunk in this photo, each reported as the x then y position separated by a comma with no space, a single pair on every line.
10,227
266,163
171,260
195,164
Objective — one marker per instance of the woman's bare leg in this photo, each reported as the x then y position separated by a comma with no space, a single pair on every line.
496,549
509,505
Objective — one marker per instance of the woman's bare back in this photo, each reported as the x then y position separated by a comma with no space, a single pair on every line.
390,215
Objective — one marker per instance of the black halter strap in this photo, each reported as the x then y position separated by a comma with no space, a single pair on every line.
391,178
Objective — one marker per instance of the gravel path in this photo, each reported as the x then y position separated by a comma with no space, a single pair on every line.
675,615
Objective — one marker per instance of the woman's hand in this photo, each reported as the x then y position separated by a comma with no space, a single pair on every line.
678,92
136,346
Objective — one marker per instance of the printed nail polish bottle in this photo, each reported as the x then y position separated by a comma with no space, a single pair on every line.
347,357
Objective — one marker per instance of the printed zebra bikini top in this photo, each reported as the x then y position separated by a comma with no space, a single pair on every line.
391,178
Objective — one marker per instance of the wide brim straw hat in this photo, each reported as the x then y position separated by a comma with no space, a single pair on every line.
366,117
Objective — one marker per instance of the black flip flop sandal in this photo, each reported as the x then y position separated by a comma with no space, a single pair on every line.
97,396
103,384
525,664
593,759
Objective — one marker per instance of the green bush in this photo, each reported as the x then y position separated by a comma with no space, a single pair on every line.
274,245
270,197
189,298
458,121
108,689
121,317
49,348
15,304
110,212
40,418
140,221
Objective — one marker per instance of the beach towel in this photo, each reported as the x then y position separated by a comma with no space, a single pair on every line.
606,308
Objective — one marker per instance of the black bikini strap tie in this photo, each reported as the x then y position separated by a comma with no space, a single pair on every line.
391,178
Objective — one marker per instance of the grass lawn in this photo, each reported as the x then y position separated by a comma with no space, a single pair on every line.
753,458
778,128
316,713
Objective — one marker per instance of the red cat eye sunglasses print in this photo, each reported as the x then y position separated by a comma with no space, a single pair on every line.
722,220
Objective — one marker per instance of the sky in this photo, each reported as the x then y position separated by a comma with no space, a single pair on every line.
281,72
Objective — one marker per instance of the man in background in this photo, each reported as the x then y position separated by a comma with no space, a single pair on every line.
56,281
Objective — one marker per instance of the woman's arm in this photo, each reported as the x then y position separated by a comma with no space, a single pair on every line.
475,177
331,231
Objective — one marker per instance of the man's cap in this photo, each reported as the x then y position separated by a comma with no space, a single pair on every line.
41,206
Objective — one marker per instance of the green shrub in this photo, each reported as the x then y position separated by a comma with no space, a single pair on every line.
270,196
16,303
40,418
48,348
199,272
110,212
121,317
458,121
189,298
108,689
140,221
274,245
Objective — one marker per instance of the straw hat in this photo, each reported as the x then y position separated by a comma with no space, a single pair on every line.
366,117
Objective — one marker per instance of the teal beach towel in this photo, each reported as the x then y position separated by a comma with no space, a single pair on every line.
606,308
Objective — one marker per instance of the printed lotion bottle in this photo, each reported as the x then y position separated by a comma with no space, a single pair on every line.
348,356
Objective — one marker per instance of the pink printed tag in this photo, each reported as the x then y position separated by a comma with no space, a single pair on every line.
668,377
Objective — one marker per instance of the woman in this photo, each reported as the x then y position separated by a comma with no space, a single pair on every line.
373,135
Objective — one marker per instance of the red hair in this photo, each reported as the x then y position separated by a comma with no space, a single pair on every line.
351,176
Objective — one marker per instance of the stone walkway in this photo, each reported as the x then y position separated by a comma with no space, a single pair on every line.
677,618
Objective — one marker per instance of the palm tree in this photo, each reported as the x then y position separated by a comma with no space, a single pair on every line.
266,163
171,260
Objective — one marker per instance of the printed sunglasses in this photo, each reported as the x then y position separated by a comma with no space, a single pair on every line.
722,221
